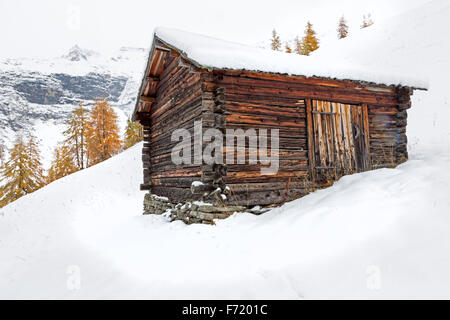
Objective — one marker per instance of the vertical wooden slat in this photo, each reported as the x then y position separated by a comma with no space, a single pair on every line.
316,121
348,132
362,150
312,161
344,137
356,136
366,135
329,135
320,135
162,63
326,136
338,136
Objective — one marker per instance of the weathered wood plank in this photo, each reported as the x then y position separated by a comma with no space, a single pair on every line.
311,154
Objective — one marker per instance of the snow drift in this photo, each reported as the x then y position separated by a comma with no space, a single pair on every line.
381,234
394,222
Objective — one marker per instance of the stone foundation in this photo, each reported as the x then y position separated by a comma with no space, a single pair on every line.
193,212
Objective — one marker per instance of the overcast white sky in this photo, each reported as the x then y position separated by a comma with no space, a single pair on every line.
47,28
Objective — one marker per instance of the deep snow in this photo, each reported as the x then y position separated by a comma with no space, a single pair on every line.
380,234
214,53
327,245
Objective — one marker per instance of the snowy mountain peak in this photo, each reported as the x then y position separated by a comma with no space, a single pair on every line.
78,54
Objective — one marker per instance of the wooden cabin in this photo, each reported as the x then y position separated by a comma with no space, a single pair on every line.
331,120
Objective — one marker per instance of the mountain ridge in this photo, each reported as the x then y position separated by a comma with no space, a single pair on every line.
39,92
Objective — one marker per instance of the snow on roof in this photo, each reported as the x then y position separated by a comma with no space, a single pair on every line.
219,54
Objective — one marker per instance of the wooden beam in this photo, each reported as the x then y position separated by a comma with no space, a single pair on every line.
367,137
162,49
147,99
146,187
153,79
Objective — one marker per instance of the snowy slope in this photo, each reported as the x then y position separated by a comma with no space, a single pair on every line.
380,234
326,245
38,94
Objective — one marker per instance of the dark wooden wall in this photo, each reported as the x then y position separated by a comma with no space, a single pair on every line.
178,105
252,103
388,140
255,100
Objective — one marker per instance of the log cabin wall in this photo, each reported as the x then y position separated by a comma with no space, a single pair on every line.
257,100
178,105
388,140
256,103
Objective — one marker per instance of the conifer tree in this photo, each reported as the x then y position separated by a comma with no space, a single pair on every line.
287,48
102,139
275,41
2,155
342,28
77,128
133,134
310,42
298,45
22,174
63,164
367,21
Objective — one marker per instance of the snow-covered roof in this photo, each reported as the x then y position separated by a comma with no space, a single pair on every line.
213,53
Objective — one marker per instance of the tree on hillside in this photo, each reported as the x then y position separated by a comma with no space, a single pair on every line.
2,155
287,48
133,134
102,139
275,42
367,21
63,163
77,128
310,42
297,45
22,173
342,28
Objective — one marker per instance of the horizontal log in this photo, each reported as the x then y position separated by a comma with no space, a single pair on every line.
241,177
313,81
266,120
263,197
148,99
237,85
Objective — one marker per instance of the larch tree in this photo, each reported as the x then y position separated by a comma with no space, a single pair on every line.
63,163
103,138
22,174
35,160
2,155
275,42
75,134
133,134
287,48
310,42
342,28
367,21
298,45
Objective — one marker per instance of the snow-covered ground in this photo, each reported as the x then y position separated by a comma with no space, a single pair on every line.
381,234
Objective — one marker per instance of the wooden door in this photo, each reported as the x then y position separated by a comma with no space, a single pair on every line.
339,139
